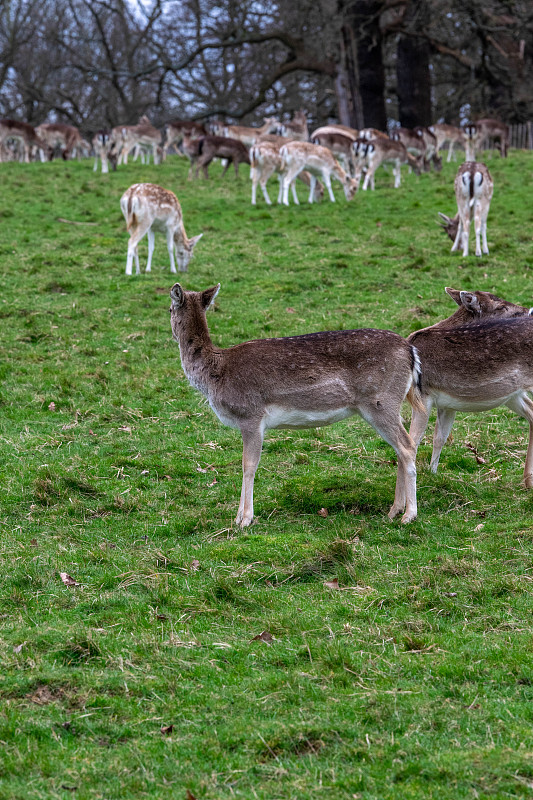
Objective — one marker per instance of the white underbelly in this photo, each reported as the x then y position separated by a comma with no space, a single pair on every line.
280,417
443,400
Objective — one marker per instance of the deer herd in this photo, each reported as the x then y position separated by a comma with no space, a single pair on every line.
479,358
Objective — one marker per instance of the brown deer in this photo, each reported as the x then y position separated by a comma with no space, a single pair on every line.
320,163
300,382
339,144
178,128
24,134
478,359
450,135
431,155
249,136
386,151
265,160
297,128
60,137
473,192
209,147
485,132
147,208
103,149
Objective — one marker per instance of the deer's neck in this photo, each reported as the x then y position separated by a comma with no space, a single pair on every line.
198,356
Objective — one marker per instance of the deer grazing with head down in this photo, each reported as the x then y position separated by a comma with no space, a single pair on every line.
300,382
147,208
478,359
473,192
320,163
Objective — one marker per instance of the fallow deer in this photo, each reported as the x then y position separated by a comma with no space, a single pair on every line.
450,135
24,134
485,132
297,128
104,150
141,136
147,208
265,160
478,359
430,140
351,133
473,192
320,162
300,382
412,142
339,144
203,151
249,135
386,151
372,133
65,139
178,128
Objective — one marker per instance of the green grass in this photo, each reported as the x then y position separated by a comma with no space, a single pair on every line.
412,681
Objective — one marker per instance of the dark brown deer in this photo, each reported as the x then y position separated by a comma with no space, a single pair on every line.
210,147
300,382
479,358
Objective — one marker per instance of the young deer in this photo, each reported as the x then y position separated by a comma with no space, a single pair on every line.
383,151
300,382
473,192
319,161
478,359
450,135
148,208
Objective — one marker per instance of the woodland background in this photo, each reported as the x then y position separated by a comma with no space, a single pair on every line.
99,63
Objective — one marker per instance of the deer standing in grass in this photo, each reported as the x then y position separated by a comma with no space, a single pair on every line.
320,163
478,359
24,134
385,151
300,382
450,135
485,132
473,192
58,136
265,160
177,129
147,208
248,135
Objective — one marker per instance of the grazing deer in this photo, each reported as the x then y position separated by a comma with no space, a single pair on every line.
22,133
450,135
249,136
140,137
209,147
473,192
147,208
177,129
386,151
265,160
431,156
485,132
60,137
300,382
412,142
478,359
318,161
297,128
339,144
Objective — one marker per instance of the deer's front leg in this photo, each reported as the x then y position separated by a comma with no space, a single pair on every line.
252,441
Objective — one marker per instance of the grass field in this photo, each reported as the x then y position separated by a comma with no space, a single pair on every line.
150,678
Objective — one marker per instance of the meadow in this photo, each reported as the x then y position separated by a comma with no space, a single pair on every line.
324,651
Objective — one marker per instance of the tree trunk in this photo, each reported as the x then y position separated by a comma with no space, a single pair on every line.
364,23
412,68
349,103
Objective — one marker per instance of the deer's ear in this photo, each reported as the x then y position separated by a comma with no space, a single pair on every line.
470,302
445,221
208,297
176,295
455,294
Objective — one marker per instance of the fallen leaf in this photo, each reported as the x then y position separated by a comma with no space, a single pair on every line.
166,730
189,795
334,584
68,580
195,564
34,542
19,647
92,433
264,636
162,617
52,406
323,512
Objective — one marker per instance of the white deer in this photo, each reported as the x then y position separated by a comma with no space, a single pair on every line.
300,382
320,163
148,208
473,192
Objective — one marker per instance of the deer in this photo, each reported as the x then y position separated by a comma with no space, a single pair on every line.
431,155
103,149
265,160
24,134
141,136
351,133
210,147
58,136
478,359
300,382
317,160
372,133
178,128
249,136
412,142
148,207
448,134
484,132
473,192
340,145
383,151
297,128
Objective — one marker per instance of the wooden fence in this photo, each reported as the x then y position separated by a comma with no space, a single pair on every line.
522,136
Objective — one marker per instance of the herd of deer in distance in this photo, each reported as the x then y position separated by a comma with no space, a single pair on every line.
479,358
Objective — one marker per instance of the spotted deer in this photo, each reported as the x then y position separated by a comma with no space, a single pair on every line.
297,128
450,135
320,163
147,208
177,129
473,192
386,151
24,134
478,359
249,135
300,382
265,160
